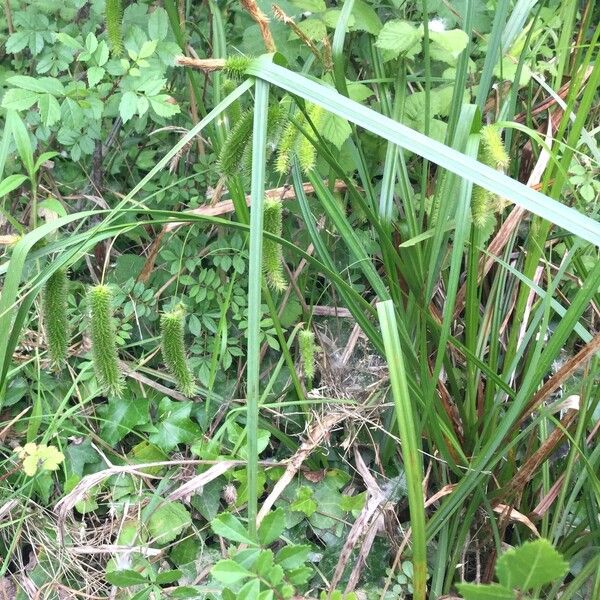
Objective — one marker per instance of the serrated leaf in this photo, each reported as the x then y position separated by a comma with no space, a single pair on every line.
10,183
49,110
249,591
494,591
125,578
398,37
314,29
227,526
158,24
95,75
163,106
531,565
42,85
292,557
147,49
228,571
127,105
168,521
18,99
271,527
448,45
167,577
334,129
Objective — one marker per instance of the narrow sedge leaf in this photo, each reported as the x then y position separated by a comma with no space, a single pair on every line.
173,351
55,316
104,342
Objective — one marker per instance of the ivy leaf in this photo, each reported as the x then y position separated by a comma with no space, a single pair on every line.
335,129
121,416
398,37
158,24
163,105
175,427
49,110
227,526
531,565
228,572
168,521
304,502
493,591
271,527
127,106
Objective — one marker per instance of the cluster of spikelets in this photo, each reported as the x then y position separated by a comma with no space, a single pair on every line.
272,253
114,25
307,348
103,335
492,152
294,143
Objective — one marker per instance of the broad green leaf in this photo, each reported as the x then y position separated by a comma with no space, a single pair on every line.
227,526
334,129
305,502
249,591
10,183
314,29
95,75
49,110
448,45
266,595
271,527
125,578
358,91
314,6
147,49
52,206
167,577
174,427
398,37
365,17
158,24
228,571
531,565
292,557
493,591
18,99
23,143
120,416
163,105
68,41
331,18
128,105
42,85
168,521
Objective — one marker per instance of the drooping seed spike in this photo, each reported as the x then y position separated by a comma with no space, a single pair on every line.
236,143
494,153
272,253
173,350
306,344
55,316
114,25
482,207
104,342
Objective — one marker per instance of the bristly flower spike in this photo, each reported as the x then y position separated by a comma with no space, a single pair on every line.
173,350
306,344
272,253
114,25
104,341
55,316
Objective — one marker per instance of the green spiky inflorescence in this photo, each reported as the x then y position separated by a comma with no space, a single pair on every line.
233,149
104,342
494,153
114,25
55,316
306,344
272,253
236,66
173,350
307,153
285,148
484,204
